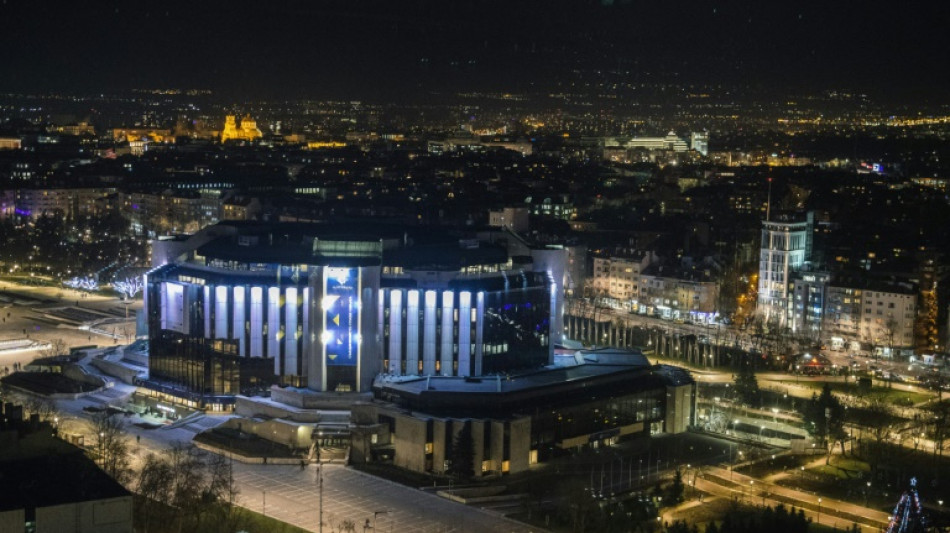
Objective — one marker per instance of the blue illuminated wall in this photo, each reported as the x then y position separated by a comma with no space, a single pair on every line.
341,316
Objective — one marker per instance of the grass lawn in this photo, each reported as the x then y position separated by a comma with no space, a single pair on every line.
844,468
216,519
779,464
257,523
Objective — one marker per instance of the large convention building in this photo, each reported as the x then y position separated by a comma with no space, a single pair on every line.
239,307
392,340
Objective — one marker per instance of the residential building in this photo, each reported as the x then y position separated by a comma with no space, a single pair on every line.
617,276
679,292
514,218
785,248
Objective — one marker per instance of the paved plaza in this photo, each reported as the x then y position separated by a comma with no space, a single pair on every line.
291,494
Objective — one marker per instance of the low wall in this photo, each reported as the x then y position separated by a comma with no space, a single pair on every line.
117,370
245,458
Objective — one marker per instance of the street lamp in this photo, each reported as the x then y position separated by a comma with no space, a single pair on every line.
867,493
819,510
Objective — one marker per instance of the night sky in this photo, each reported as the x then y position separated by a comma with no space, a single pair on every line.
398,49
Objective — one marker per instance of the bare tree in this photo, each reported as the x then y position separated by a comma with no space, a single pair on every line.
56,347
112,448
129,287
941,417
880,420
42,406
154,484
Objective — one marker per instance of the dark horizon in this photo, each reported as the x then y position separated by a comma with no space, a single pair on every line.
403,51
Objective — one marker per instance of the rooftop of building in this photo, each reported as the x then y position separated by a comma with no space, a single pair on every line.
409,247
789,217
40,470
46,479
548,387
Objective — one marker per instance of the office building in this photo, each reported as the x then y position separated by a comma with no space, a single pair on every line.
785,248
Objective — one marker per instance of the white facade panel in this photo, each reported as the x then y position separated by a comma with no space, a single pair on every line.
428,348
206,310
273,326
395,331
465,333
221,312
257,322
447,352
288,332
412,333
237,326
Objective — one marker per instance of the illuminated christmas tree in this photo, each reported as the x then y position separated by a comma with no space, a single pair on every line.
908,515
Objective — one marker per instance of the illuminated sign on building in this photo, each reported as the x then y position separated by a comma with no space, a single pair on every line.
341,316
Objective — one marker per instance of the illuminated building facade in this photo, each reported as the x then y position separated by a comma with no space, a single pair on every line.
239,307
247,131
786,244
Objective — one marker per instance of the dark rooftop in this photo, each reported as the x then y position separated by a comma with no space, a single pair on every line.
53,479
504,395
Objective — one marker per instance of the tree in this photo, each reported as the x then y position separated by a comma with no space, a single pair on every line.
674,493
463,454
154,485
128,287
188,487
41,406
824,418
941,417
878,416
57,346
112,448
747,386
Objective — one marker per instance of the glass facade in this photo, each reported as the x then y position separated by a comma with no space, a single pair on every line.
467,330
551,427
517,327
197,348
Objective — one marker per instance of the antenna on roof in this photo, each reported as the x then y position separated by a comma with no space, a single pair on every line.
768,204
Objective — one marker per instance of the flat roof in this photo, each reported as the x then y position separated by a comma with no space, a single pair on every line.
54,478
544,388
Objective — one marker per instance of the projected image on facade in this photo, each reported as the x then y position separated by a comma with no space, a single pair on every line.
341,326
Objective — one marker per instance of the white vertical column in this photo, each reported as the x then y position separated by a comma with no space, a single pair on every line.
207,310
465,333
395,331
479,332
305,331
428,347
412,333
163,303
273,326
290,331
380,317
237,325
257,322
448,337
221,312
